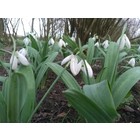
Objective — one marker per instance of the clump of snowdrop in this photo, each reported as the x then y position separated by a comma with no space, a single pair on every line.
76,66
105,44
19,57
123,41
132,62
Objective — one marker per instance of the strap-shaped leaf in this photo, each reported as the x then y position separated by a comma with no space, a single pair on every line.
124,84
86,107
101,95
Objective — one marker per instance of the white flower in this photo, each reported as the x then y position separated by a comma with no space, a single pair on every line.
61,43
73,38
96,44
123,41
89,69
105,44
14,62
18,57
51,41
26,41
76,66
23,51
132,62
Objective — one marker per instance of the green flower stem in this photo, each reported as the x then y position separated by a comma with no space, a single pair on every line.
48,91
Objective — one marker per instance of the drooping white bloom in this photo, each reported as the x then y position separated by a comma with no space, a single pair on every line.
96,44
89,69
132,62
123,41
26,41
105,44
73,38
23,51
76,66
23,60
18,57
67,59
14,62
61,43
51,41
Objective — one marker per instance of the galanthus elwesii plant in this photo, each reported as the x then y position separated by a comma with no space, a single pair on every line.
99,101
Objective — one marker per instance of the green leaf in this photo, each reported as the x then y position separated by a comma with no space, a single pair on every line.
34,42
101,95
71,43
124,84
43,68
86,107
90,51
111,63
67,78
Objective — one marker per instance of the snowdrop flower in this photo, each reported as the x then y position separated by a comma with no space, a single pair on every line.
23,51
73,38
123,41
132,62
18,57
61,43
89,69
96,44
105,44
26,41
51,41
74,65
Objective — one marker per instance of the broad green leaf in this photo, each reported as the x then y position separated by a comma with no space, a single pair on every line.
90,51
43,68
111,62
101,95
67,78
86,107
34,42
124,84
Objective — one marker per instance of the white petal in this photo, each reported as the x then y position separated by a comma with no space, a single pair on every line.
132,62
73,38
89,69
51,41
23,51
75,66
66,59
138,49
61,43
26,41
121,42
127,42
96,44
23,60
105,44
14,62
